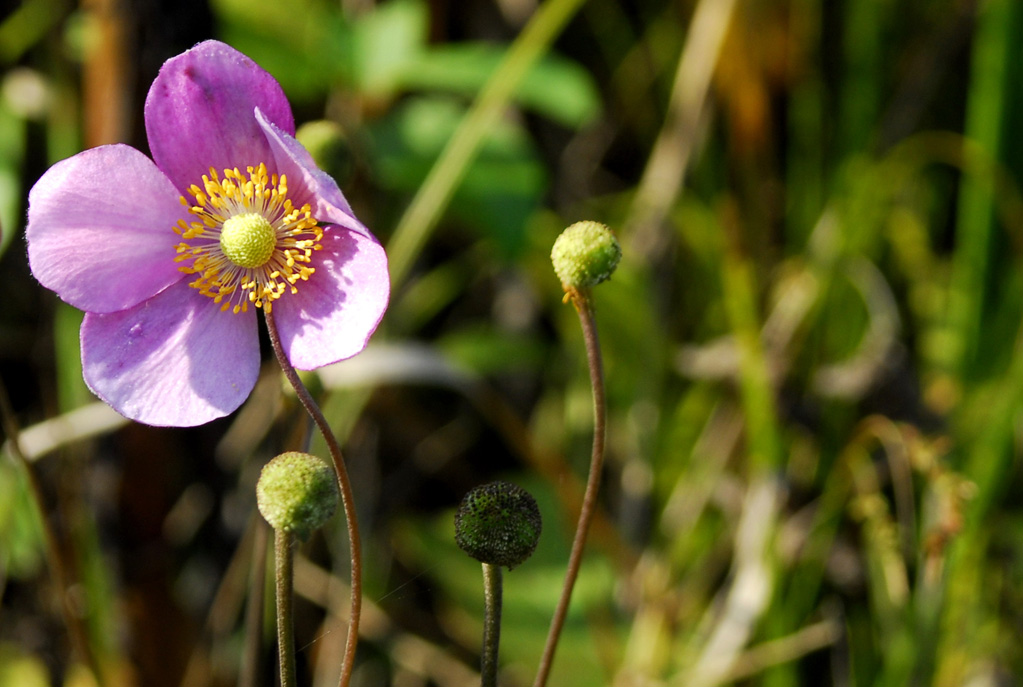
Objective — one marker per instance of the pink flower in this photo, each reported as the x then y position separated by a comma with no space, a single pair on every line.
170,258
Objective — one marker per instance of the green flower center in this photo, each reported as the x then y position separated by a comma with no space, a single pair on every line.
248,243
248,240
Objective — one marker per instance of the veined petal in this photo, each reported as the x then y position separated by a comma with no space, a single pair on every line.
175,360
334,313
306,182
199,113
100,229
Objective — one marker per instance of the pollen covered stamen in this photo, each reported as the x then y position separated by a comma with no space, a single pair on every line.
249,243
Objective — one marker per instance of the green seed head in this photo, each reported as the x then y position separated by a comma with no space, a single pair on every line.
248,239
585,254
297,493
498,523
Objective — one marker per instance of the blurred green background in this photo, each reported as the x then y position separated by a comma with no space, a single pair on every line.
812,345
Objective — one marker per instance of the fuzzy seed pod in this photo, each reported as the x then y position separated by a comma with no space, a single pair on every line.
498,523
297,493
585,254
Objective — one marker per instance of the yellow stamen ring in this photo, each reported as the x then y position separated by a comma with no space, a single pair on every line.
250,245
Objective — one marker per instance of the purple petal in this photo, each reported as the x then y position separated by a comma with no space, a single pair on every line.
306,182
100,229
175,360
334,313
199,113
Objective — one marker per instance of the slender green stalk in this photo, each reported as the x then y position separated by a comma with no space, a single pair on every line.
994,48
422,214
740,298
284,566
671,155
491,623
989,457
584,307
347,498
55,560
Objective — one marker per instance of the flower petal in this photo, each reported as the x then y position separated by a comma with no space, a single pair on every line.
306,182
334,313
175,360
100,229
199,113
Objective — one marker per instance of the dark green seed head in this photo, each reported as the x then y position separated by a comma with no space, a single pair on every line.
297,493
498,523
585,254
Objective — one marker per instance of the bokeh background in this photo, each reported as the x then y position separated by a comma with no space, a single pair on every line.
812,345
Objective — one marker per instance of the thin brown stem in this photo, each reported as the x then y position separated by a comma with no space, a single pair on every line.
58,566
347,498
492,595
583,306
284,567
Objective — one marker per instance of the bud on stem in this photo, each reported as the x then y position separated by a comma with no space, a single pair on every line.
297,493
584,255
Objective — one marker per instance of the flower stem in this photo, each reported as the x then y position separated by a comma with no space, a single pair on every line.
491,623
54,557
347,499
584,307
284,563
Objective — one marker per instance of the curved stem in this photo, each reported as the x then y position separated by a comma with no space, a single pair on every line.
284,564
347,499
491,623
583,306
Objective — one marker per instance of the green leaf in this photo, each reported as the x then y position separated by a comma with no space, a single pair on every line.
502,187
21,533
12,153
556,87
305,44
387,42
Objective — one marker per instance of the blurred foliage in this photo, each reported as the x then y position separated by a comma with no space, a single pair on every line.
20,670
19,526
812,347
